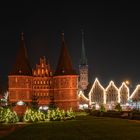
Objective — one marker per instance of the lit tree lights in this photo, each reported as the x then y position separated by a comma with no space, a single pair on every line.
136,93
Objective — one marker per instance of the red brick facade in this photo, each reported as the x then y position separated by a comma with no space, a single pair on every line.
65,89
20,88
42,83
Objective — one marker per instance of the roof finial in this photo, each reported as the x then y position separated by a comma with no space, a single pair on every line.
62,34
22,36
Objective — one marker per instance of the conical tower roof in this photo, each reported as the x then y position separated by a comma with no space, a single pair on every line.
21,66
64,66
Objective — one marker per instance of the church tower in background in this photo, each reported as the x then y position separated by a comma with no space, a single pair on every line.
83,67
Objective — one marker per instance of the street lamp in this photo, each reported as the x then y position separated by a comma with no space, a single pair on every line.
127,82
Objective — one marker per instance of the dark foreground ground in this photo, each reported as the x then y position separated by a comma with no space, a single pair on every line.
82,128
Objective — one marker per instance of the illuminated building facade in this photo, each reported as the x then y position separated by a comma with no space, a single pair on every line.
109,96
59,88
96,94
124,94
43,82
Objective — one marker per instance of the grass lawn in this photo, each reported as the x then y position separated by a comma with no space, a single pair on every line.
82,128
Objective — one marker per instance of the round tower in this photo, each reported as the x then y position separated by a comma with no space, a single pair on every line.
20,78
65,81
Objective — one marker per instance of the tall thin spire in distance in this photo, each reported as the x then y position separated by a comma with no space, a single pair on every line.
83,60
22,36
62,35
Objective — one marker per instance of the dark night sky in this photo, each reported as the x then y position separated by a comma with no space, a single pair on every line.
112,39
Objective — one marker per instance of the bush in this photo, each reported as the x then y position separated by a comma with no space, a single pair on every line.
70,114
102,108
118,107
32,115
56,115
8,116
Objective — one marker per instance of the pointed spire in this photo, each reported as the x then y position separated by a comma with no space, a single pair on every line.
22,36
83,54
62,34
22,66
64,66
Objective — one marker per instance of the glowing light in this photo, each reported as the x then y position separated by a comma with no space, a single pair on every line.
127,82
135,91
83,106
110,107
20,103
119,92
43,108
40,108
97,107
81,94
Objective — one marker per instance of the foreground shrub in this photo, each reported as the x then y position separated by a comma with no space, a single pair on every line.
70,114
8,116
118,107
32,115
102,108
56,115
